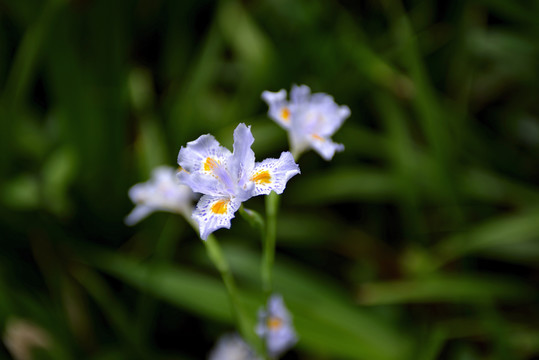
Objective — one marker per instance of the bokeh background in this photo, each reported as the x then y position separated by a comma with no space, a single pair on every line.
420,241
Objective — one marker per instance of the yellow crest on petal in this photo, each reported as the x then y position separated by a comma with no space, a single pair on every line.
219,207
262,177
274,323
285,114
210,164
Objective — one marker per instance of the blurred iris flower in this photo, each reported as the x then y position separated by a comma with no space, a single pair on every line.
163,192
232,347
229,178
275,327
310,119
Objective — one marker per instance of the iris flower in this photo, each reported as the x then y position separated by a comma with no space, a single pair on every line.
163,192
275,327
226,179
310,119
232,347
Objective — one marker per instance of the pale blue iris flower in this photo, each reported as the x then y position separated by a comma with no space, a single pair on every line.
275,327
163,192
229,178
232,347
310,119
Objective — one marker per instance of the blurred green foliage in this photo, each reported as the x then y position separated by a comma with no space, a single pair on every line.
420,241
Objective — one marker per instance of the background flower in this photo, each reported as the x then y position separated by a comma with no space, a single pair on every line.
232,347
275,326
163,192
310,119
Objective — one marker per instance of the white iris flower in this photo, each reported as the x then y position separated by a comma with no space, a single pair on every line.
229,178
310,119
163,192
232,347
275,327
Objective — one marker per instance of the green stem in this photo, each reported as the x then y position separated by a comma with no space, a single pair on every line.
272,207
244,325
254,219
217,257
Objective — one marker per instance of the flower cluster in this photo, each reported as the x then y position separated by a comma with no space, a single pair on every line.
163,192
226,179
310,119
275,327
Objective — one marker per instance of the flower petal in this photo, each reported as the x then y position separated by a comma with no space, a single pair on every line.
243,158
279,109
202,159
214,212
163,192
299,94
333,117
202,155
275,327
325,147
202,183
137,214
276,307
273,174
278,342
232,347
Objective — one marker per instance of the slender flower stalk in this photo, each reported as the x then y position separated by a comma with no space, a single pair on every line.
218,259
270,238
164,192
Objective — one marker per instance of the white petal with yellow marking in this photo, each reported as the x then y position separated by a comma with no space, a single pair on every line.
214,212
325,147
203,155
200,162
279,108
273,174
